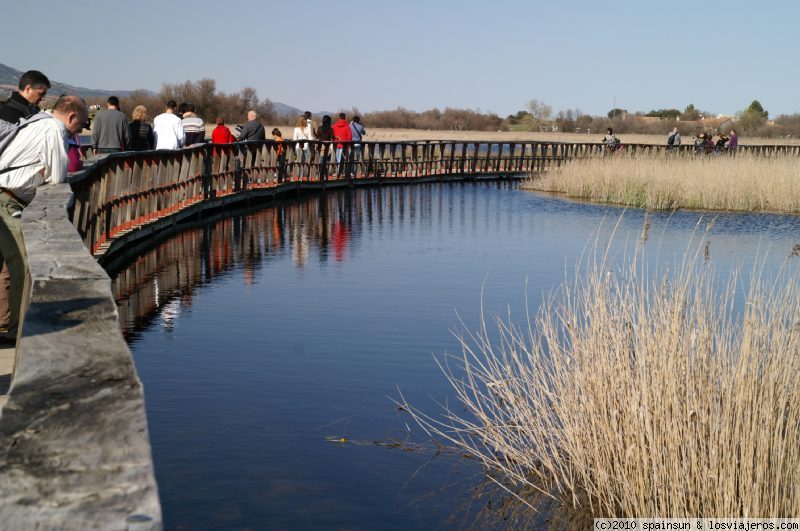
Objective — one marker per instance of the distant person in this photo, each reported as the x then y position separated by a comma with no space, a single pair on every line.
342,133
673,139
182,109
33,86
36,155
721,143
311,126
325,134
194,129
110,128
300,135
733,140
168,129
252,130
141,132
222,133
357,132
610,139
280,152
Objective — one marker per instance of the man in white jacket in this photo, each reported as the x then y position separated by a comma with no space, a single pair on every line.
168,128
36,155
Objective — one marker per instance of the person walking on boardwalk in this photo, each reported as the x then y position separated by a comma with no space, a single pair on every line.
141,132
342,133
252,130
357,132
300,135
280,154
110,128
37,154
673,139
325,134
168,129
194,129
33,86
733,141
221,133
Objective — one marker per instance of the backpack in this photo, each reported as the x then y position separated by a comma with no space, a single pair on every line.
671,140
8,132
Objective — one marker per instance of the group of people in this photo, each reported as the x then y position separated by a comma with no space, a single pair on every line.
33,150
703,142
339,132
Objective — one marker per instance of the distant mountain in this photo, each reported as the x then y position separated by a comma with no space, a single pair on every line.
9,80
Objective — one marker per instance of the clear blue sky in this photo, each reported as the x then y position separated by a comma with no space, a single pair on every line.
488,55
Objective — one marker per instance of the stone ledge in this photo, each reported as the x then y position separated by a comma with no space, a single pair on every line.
74,446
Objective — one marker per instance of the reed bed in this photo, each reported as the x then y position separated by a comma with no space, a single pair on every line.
640,391
742,183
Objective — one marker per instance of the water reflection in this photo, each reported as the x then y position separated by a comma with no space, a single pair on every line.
265,336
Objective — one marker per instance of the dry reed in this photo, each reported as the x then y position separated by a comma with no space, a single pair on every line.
741,183
641,391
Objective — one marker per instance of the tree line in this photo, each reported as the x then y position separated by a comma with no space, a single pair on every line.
210,103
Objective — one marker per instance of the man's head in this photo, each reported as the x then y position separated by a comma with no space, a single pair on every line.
171,106
189,108
342,116
307,115
72,111
251,115
357,119
112,102
33,86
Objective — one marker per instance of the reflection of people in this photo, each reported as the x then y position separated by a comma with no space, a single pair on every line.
36,155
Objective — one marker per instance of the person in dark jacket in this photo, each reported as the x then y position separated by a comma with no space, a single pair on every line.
33,87
252,130
324,134
141,132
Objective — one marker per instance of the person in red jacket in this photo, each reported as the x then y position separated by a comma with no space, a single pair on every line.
342,133
221,133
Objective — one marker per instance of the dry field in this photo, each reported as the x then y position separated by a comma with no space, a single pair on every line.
742,183
639,392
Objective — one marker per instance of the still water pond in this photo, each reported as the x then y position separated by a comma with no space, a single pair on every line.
270,343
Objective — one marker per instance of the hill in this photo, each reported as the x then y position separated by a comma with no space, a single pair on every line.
9,78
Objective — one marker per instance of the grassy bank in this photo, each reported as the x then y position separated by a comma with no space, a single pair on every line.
638,393
741,183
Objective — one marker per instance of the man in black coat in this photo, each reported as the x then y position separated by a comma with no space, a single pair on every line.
33,87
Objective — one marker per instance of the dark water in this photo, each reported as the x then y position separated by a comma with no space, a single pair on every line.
265,338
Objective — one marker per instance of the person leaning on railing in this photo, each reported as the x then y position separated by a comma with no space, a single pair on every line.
36,155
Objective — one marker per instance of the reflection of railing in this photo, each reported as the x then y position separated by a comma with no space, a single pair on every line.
127,191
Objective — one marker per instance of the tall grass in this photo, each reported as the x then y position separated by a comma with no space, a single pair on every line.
640,391
741,183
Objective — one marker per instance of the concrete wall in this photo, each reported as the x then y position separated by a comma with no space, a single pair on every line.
74,446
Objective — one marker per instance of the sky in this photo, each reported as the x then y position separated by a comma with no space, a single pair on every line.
492,56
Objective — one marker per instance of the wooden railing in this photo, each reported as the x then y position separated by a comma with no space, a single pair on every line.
125,191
